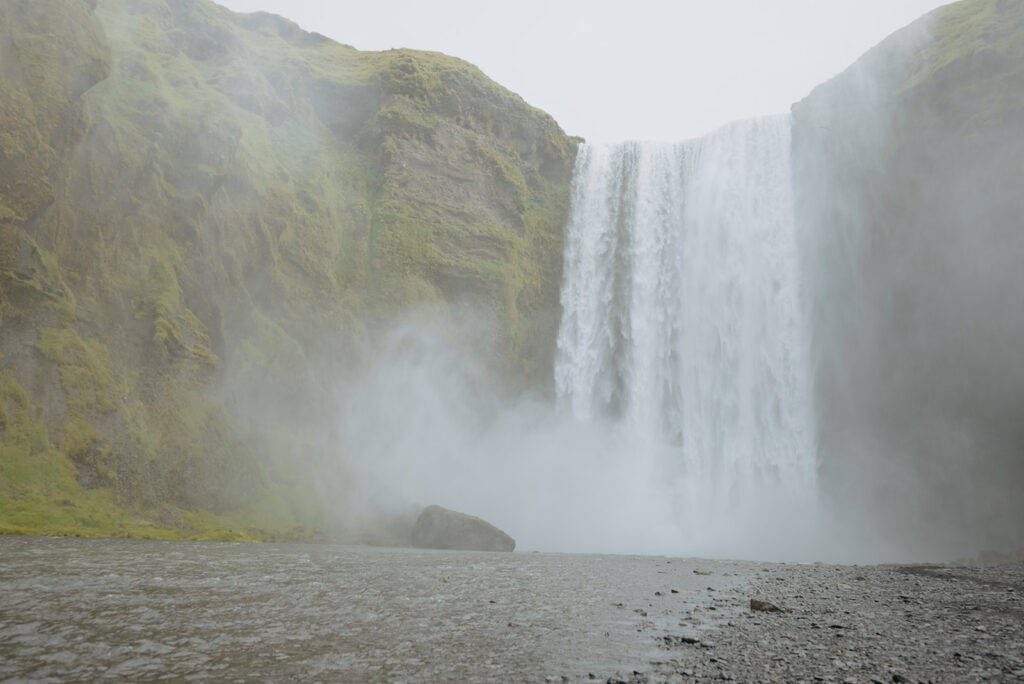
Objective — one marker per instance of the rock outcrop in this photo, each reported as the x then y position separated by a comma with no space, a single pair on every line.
205,217
907,174
440,528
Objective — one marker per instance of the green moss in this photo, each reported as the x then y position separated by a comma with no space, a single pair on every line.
504,170
11,389
967,29
160,293
25,456
407,121
40,493
47,280
38,490
404,257
235,186
407,74
85,369
199,344
87,450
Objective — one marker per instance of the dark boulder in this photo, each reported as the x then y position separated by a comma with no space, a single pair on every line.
440,528
764,606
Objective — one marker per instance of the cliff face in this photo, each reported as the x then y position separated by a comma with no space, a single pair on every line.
200,211
908,176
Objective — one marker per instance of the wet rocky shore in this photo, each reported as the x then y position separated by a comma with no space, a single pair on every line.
134,610
852,624
138,610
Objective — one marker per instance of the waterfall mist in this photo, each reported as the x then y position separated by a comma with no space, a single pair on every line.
908,200
683,325
422,424
682,423
797,338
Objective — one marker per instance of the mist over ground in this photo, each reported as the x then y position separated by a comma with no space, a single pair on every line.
908,216
907,171
215,229
423,423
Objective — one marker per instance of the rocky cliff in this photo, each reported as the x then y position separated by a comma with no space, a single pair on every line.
908,179
205,218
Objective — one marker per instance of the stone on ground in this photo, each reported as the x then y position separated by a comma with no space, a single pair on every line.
441,528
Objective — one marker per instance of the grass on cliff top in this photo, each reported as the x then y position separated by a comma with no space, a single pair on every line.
965,29
213,36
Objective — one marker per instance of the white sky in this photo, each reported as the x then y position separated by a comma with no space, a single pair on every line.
642,69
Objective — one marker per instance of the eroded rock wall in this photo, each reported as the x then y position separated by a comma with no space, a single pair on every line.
206,217
908,180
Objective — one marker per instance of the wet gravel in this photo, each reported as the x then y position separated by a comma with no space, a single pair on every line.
129,610
920,623
125,610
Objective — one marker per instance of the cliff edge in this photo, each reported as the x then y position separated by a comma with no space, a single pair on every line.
205,218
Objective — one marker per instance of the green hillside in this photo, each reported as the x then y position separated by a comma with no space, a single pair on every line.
201,213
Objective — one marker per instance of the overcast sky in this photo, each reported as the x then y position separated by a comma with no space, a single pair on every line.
641,69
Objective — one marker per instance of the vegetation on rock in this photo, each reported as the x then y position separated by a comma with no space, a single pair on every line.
200,212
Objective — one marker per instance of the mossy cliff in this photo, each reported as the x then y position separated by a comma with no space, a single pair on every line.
204,218
908,178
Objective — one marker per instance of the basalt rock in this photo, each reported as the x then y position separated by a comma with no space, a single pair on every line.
440,528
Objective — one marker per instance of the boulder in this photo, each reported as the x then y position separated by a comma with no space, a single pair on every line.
764,606
440,528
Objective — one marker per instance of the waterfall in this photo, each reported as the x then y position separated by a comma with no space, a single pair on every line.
682,321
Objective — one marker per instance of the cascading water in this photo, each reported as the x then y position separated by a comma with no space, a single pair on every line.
683,324
682,369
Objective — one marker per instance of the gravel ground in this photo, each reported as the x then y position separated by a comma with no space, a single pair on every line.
137,610
916,623
128,610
